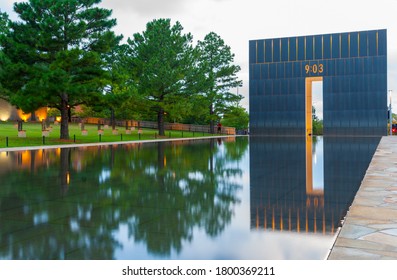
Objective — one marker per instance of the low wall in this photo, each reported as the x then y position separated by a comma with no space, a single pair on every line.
153,125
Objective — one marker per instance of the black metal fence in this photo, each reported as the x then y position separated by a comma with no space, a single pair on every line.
154,125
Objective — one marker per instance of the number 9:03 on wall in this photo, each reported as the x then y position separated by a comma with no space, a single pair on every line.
314,68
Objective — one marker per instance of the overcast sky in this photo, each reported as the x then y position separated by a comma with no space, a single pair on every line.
238,21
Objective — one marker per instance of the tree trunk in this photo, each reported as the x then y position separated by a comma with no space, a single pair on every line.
64,172
212,149
112,157
64,118
161,163
112,119
32,161
212,122
160,122
69,114
33,116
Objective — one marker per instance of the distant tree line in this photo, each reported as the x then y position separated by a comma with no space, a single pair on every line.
64,55
317,124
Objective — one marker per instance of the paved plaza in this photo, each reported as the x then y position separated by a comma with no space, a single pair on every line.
369,231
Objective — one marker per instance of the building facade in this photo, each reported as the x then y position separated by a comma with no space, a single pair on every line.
352,68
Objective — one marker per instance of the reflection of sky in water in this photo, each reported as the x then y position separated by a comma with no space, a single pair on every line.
238,240
318,164
244,198
104,176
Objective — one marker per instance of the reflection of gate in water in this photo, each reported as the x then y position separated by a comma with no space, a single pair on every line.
286,196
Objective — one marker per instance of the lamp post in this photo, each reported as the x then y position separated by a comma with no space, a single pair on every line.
390,115
238,87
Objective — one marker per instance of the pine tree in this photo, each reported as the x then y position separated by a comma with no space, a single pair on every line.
56,51
221,75
4,29
164,62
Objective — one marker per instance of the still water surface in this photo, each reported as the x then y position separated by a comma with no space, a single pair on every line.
230,198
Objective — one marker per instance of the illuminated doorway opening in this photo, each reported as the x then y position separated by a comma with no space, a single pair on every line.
314,164
314,102
317,99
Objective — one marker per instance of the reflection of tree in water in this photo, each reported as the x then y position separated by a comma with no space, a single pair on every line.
45,217
82,199
176,192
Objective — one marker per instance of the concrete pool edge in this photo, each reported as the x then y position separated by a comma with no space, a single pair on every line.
369,231
30,148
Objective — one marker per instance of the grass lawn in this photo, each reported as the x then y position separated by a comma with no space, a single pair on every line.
9,135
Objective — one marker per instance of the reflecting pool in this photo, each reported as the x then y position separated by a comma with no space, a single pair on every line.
226,198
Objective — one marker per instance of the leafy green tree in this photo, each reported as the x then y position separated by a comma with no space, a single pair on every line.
119,86
4,29
317,124
236,117
216,61
3,23
56,52
164,62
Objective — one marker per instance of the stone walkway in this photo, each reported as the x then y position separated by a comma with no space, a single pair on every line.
369,231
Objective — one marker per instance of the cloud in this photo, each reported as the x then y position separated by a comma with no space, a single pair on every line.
8,7
148,7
